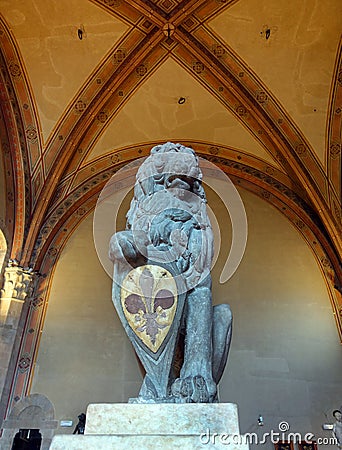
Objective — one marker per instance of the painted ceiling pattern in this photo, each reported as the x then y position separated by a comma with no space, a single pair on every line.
75,93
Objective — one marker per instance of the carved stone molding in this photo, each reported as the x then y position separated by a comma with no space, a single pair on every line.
18,282
19,285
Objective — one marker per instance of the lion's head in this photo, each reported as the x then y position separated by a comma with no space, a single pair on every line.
169,166
169,205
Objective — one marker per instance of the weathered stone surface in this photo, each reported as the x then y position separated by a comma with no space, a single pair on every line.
162,282
149,426
162,419
138,442
32,412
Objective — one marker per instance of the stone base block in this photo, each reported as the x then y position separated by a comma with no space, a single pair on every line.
162,418
147,426
92,442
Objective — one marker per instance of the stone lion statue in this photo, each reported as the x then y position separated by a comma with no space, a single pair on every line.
162,282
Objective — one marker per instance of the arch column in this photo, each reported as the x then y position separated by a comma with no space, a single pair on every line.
18,287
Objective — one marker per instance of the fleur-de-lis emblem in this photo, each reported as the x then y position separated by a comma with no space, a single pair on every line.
149,302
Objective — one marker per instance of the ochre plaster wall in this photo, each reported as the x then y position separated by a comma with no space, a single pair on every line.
84,355
285,359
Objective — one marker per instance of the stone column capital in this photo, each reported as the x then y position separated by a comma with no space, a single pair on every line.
19,282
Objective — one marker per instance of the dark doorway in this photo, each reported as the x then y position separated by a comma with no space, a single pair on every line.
27,440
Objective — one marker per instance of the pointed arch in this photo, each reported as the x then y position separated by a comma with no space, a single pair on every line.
19,137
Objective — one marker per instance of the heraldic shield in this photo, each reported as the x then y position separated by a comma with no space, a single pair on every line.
150,302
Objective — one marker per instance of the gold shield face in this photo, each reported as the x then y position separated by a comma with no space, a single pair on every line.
149,302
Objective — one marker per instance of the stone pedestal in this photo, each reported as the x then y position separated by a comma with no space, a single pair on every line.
169,426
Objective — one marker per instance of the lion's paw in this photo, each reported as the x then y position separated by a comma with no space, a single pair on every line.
192,390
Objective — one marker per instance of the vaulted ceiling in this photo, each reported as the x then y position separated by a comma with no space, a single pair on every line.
87,86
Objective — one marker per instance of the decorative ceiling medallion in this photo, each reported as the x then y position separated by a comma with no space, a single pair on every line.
168,29
241,110
80,106
14,69
218,50
141,70
261,97
52,252
198,66
115,158
24,363
102,116
301,150
149,302
325,261
335,150
214,150
300,224
119,56
31,134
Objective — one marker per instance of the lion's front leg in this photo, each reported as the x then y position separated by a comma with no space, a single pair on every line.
196,373
129,248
